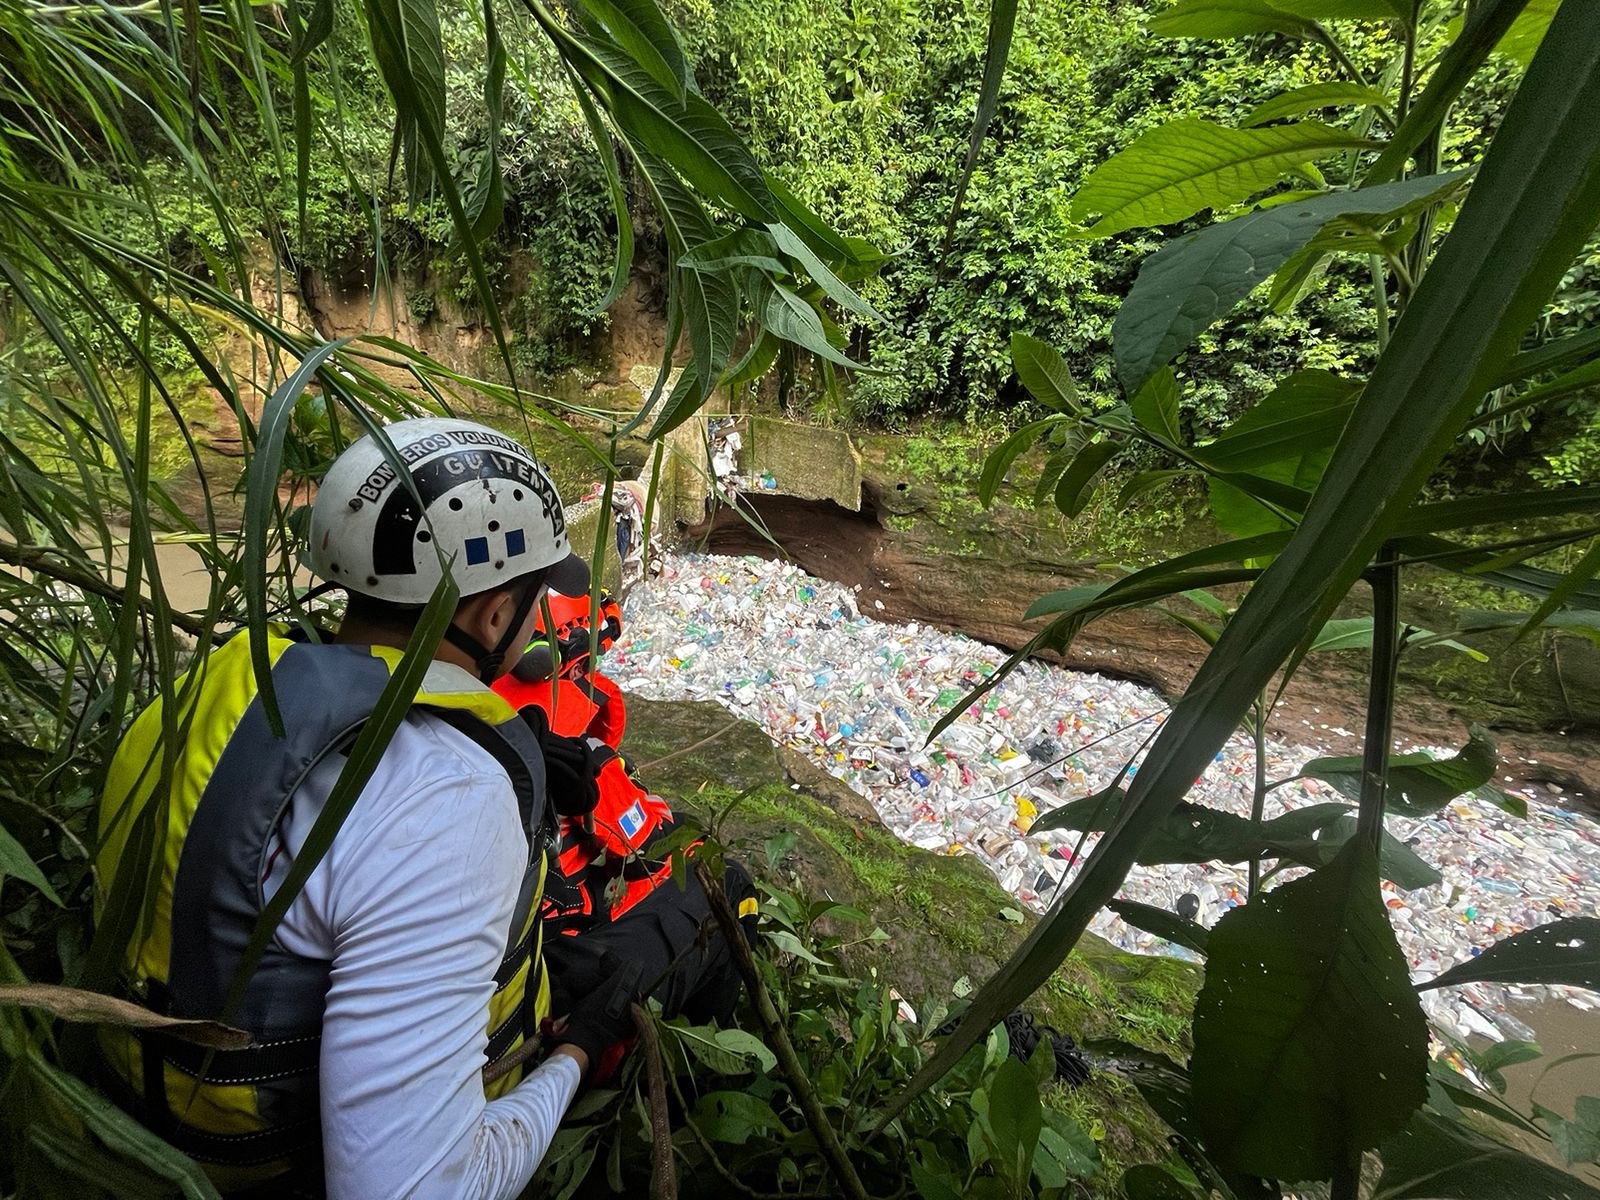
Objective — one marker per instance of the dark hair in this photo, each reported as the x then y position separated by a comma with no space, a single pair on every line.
386,614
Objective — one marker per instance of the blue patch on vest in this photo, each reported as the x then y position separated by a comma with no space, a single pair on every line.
516,543
477,551
632,821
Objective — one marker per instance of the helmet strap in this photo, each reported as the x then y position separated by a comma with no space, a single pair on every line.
488,661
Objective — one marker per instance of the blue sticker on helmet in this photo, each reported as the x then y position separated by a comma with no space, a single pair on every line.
477,551
516,543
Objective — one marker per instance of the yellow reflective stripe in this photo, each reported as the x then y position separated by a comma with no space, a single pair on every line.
748,905
445,685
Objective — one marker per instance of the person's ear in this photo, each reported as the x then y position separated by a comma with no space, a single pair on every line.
484,617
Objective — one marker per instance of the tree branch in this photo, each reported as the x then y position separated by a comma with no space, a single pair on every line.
45,560
663,1169
778,1038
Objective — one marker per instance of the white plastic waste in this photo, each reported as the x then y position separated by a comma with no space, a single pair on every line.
791,653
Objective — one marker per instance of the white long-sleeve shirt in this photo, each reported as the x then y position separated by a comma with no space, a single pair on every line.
412,905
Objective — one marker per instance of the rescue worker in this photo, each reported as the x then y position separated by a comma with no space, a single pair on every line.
611,898
411,961
555,672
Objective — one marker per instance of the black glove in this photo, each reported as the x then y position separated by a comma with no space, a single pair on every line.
605,1016
570,768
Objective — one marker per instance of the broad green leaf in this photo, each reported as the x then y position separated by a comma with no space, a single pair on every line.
1349,10
736,248
792,244
999,460
1044,373
997,49
1206,632
640,29
681,128
1309,837
1437,1159
734,1117
1352,633
1308,1042
408,48
851,256
1574,1141
1397,861
1419,784
1522,504
17,863
1075,487
1302,416
303,39
789,317
1298,101
1042,1062
1580,622
1499,1055
1194,281
1146,481
1489,21
742,1042
1355,633
1155,407
1064,1140
930,1186
1523,223
1240,514
1580,379
1224,19
1013,1121
1565,951
1521,40
1136,589
1162,923
1181,568
485,202
756,362
1449,1091
711,318
410,53
1558,354
1045,486
706,1043
1175,170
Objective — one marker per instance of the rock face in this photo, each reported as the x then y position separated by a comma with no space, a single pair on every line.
806,462
947,918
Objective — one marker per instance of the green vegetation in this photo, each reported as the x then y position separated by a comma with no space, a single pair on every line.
1338,331
1310,1047
941,916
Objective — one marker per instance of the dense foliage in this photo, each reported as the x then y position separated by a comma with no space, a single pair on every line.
1310,1046
863,111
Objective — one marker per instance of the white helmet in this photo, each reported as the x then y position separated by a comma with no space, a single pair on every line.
487,504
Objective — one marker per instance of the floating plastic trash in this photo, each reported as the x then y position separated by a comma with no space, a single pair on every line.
859,696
